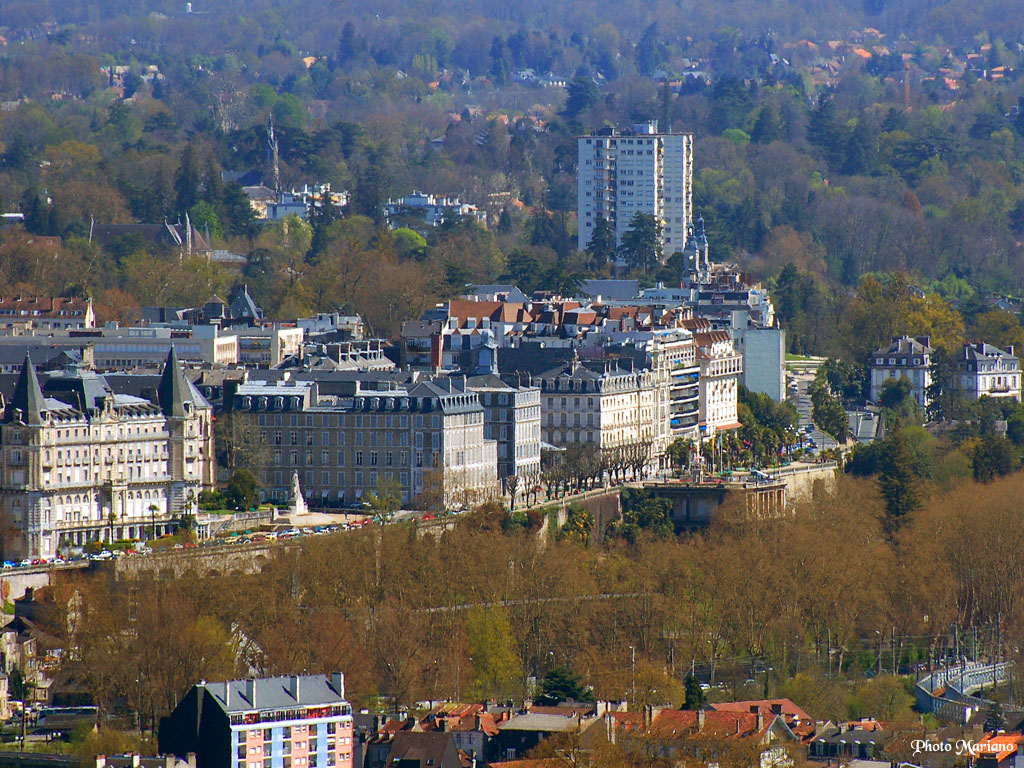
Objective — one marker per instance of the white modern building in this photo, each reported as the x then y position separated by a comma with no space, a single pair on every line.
987,371
433,209
637,171
904,357
764,356
265,346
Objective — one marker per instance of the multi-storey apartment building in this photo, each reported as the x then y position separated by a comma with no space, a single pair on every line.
720,370
674,353
46,312
512,419
987,371
120,348
143,347
638,171
80,463
299,721
426,436
904,357
265,346
605,405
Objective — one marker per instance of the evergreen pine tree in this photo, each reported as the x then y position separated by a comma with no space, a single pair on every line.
602,242
995,720
897,481
641,243
694,695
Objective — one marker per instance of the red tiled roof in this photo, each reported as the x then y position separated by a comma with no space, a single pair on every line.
394,726
545,762
1000,745
456,709
789,710
42,306
680,722
626,721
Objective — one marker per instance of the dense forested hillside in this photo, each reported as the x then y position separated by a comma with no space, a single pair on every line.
836,138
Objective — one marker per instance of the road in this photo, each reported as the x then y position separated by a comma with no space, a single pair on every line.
802,401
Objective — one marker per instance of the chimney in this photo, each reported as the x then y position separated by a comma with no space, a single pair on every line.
135,760
700,719
609,728
478,723
101,761
190,758
446,724
648,715
760,722
338,683
170,761
293,687
250,691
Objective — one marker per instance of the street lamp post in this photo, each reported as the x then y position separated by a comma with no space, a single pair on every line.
632,667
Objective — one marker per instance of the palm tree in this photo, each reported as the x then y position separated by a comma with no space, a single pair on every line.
153,509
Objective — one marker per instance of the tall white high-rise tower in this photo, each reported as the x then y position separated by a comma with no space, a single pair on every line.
642,170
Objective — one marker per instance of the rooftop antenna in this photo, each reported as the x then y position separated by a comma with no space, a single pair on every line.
274,158
906,85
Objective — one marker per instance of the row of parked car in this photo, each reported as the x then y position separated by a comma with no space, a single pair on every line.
248,537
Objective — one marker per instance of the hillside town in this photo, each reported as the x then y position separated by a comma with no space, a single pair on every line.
199,422
481,385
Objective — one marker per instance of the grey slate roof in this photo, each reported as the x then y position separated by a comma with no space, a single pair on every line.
512,291
980,351
610,290
28,395
84,390
243,306
906,346
537,721
175,389
277,692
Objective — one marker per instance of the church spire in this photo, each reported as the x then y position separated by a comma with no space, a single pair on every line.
174,390
28,396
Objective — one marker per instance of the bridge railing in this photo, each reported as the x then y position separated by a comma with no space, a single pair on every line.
948,692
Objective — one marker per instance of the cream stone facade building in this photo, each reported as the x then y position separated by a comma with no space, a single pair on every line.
428,437
79,463
603,404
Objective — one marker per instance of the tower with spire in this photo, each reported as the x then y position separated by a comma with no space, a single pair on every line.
27,403
190,430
